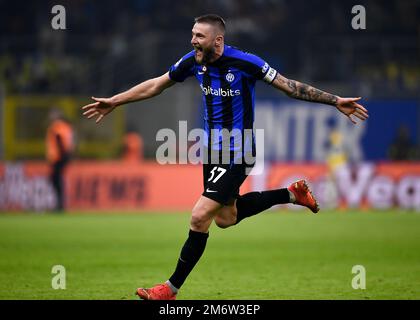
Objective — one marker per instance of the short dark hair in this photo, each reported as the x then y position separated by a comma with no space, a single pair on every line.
212,19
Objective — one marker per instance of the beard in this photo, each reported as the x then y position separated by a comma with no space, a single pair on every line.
204,55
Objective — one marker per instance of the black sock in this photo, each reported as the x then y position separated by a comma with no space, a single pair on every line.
254,202
190,254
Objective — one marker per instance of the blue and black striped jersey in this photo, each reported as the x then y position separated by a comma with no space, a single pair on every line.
228,86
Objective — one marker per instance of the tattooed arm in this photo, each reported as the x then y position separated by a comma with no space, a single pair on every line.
302,91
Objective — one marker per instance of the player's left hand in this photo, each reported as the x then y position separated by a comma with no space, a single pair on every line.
350,107
101,107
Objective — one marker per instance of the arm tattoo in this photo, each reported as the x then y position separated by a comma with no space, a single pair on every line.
303,91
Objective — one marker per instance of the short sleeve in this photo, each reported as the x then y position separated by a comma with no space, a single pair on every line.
261,70
183,68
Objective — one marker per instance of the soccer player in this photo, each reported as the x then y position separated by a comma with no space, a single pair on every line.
227,79
60,146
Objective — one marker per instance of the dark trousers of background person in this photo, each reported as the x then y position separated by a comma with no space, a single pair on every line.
57,181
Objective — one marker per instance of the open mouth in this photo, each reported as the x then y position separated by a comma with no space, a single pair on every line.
199,53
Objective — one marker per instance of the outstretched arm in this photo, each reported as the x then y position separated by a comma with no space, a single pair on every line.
302,91
147,89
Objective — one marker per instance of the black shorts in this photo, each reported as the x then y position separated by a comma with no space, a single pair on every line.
222,181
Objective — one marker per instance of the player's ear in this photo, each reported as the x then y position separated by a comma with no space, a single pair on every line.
219,40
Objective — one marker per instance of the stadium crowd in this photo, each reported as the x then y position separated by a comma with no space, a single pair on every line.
108,46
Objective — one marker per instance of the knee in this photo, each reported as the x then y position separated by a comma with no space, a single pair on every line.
199,220
226,217
223,223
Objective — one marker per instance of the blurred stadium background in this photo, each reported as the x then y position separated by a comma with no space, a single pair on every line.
108,46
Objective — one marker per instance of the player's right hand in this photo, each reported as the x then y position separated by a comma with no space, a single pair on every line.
101,107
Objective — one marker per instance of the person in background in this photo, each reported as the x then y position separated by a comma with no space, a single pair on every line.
337,160
132,147
402,148
60,146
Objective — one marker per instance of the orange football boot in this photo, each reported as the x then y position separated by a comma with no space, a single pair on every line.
158,292
303,195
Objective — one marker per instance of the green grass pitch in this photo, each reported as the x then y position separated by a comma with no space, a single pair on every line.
275,255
